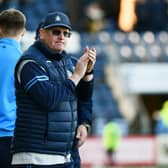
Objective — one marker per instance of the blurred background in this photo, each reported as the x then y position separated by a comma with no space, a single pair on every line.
131,73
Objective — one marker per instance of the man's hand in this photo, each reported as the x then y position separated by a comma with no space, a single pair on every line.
81,67
81,135
92,59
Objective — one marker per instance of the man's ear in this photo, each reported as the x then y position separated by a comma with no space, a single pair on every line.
23,32
41,33
1,32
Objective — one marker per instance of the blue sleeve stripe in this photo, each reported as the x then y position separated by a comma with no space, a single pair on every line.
35,80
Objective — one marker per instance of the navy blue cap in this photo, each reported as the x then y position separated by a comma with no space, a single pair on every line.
56,19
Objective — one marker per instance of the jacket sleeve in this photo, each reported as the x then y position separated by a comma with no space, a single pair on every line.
84,94
46,93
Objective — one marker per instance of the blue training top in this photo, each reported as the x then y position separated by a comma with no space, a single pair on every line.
10,52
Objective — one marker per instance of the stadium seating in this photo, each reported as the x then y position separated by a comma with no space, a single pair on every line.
141,47
36,10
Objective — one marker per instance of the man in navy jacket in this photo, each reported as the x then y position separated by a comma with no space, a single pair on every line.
53,91
84,114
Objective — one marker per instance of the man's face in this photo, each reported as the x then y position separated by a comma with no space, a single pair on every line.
55,38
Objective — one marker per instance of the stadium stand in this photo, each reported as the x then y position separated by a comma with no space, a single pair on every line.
34,10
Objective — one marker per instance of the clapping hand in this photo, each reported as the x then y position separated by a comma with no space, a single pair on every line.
92,59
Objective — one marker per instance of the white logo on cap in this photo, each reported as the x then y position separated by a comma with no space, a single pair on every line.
57,18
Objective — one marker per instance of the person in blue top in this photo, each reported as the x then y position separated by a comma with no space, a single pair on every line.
53,94
12,27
